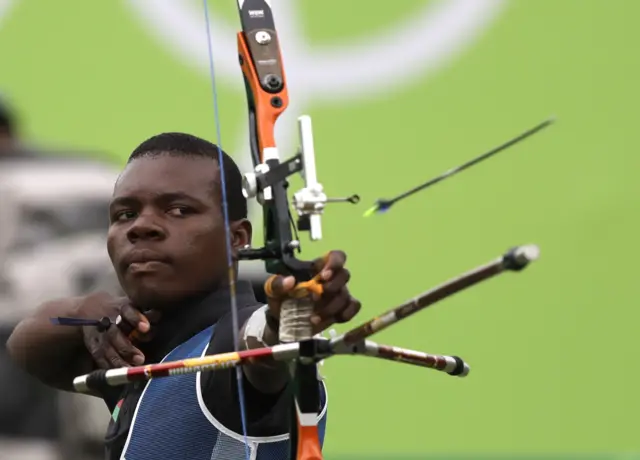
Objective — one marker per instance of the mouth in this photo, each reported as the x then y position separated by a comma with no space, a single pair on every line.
145,267
143,261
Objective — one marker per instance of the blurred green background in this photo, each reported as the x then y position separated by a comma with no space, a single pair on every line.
553,349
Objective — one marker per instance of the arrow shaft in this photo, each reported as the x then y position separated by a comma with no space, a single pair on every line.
474,161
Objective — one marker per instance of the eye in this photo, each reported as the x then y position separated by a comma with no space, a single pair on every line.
123,215
180,211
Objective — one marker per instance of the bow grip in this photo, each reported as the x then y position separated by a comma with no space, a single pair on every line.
296,309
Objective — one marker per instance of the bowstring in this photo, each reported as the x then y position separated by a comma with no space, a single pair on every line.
227,226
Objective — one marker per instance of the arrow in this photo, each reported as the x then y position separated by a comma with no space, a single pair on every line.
383,205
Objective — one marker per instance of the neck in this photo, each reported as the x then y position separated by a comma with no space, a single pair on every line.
177,306
181,320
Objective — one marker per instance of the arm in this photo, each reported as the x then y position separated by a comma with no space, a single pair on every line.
261,330
267,411
53,354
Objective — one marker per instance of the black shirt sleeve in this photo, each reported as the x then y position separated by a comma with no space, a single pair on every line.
111,396
267,415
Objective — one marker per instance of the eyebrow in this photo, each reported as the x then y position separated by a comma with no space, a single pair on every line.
159,197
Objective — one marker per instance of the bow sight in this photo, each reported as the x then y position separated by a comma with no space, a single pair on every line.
309,203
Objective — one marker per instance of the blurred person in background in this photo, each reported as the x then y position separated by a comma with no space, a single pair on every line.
11,145
52,237
7,129
28,409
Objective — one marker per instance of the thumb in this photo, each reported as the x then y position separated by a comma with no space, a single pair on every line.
278,286
276,289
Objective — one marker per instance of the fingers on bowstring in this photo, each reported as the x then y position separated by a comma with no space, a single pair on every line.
133,319
108,351
118,344
96,348
139,337
153,316
114,360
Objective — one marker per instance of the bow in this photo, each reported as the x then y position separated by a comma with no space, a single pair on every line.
267,98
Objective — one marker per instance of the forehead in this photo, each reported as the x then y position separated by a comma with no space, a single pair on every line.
165,174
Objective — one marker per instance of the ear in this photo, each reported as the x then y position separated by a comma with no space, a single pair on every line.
242,232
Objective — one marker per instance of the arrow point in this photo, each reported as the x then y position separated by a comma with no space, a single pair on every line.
370,211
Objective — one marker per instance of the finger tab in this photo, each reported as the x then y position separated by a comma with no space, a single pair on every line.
306,288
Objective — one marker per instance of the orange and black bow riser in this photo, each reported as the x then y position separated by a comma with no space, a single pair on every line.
267,98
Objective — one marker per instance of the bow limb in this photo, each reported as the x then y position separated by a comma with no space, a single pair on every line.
266,85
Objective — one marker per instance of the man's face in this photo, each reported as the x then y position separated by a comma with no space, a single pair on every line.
167,239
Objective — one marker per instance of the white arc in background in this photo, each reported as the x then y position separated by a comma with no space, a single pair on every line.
376,63
5,6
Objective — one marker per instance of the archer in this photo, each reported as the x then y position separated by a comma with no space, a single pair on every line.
167,244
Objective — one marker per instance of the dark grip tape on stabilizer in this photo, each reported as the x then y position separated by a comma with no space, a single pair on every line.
459,369
97,380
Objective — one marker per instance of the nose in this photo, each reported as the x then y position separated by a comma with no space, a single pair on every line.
145,229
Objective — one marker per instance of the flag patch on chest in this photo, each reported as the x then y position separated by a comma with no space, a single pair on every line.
116,411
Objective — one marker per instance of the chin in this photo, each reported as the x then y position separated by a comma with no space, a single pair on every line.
147,296
160,295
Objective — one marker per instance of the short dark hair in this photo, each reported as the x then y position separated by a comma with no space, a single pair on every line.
182,144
